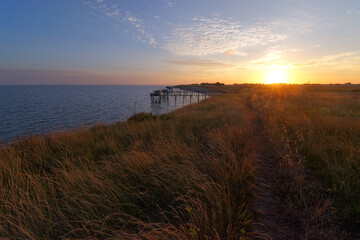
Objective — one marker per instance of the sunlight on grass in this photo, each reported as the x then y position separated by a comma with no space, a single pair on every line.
185,175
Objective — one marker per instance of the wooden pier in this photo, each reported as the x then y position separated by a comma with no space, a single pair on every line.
178,94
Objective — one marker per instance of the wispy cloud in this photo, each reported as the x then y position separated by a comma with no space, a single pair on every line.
229,52
200,63
139,25
271,60
347,60
296,50
353,12
119,17
212,36
270,56
169,3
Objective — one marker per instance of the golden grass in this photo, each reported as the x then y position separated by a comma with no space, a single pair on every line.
317,132
189,174
185,175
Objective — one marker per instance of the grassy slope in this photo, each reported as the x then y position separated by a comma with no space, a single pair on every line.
185,175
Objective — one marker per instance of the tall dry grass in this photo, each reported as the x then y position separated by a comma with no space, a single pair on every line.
189,174
186,175
316,131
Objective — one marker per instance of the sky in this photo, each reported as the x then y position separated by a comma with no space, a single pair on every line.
151,42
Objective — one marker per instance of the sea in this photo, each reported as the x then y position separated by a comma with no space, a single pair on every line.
39,110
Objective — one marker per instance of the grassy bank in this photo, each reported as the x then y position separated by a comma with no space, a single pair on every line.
190,174
185,175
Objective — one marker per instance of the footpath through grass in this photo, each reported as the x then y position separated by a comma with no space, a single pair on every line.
316,130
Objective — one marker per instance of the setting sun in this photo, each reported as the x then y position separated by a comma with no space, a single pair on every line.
276,76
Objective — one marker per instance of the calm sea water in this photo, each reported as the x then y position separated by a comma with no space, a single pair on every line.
28,110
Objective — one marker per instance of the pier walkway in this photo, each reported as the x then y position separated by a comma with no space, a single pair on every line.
178,94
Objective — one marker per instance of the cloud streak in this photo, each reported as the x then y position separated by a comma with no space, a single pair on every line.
344,61
212,36
270,56
353,12
169,3
119,17
200,63
139,25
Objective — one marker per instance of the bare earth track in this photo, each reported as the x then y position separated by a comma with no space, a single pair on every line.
273,220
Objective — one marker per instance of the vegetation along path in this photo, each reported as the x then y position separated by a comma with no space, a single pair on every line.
291,197
262,162
273,220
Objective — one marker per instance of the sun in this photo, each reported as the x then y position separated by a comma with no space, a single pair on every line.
276,76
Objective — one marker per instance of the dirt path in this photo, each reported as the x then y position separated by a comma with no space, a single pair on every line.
273,221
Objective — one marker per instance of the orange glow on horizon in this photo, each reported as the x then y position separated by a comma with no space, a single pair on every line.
276,76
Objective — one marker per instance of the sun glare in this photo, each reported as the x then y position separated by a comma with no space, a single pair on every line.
276,76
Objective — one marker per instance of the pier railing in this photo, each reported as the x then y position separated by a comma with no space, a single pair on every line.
159,95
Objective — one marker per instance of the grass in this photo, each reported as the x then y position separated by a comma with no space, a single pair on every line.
318,128
185,175
190,174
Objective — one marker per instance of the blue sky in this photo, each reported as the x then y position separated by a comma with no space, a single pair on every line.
173,41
